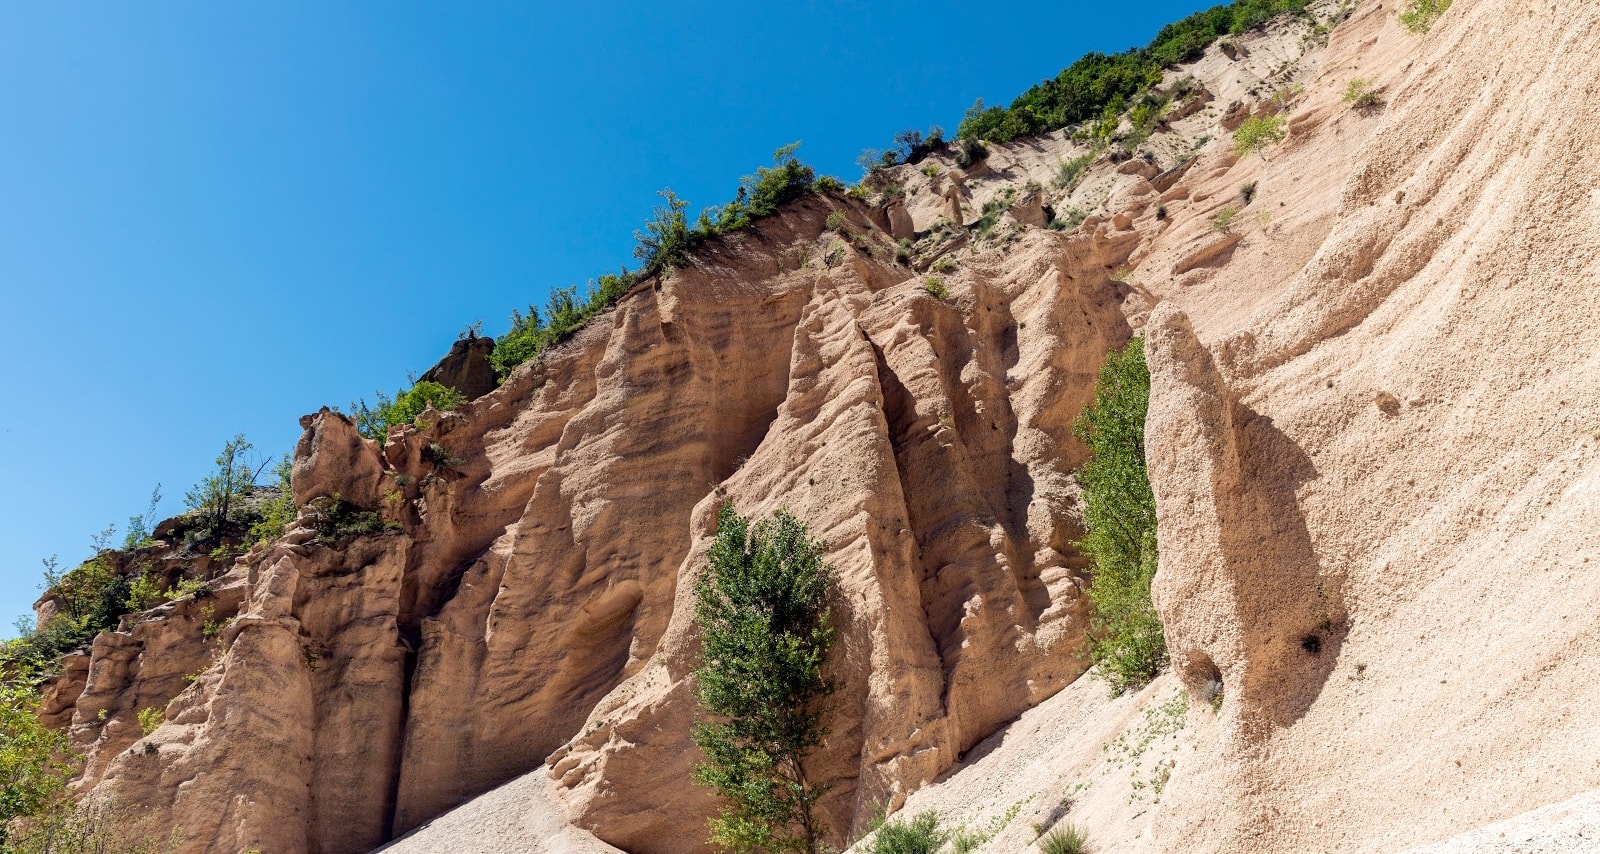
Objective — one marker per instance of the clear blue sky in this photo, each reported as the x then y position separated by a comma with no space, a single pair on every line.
215,217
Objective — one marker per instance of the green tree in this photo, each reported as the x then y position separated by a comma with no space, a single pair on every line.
214,496
667,238
765,633
33,767
1125,637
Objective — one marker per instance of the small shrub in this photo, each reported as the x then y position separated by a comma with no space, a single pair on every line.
836,221
921,835
149,719
902,255
936,287
375,422
1161,211
1223,221
1070,172
945,264
440,458
932,170
971,151
828,184
1067,839
1419,16
1247,192
1069,220
1360,95
1256,134
335,519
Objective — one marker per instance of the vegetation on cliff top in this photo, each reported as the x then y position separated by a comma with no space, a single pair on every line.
1125,638
765,633
1098,86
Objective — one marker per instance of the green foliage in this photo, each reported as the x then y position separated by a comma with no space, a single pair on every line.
90,599
828,184
1247,192
149,719
1360,95
1257,133
335,519
945,264
1126,641
921,835
667,237
1097,84
1419,16
1223,221
33,767
971,151
94,826
836,221
531,335
374,422
1068,220
1071,171
936,287
140,527
765,634
1067,839
276,512
214,497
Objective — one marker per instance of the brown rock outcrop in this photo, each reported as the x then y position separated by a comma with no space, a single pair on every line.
466,367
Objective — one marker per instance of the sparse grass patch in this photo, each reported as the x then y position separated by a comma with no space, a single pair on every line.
1419,16
936,287
835,222
1247,192
1066,839
944,264
1223,221
921,835
1070,172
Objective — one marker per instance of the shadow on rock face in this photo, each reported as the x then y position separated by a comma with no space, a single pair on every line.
1248,608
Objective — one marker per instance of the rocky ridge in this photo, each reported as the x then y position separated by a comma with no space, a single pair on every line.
1325,467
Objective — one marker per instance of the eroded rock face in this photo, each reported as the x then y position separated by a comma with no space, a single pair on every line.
534,603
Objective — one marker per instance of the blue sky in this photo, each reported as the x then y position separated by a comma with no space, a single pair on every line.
215,217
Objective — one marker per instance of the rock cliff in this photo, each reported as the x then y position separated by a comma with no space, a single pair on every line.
1373,456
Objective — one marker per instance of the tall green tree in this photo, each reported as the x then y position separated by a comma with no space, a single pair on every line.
1125,637
765,634
214,496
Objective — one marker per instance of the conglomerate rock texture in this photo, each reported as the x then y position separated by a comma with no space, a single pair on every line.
1373,441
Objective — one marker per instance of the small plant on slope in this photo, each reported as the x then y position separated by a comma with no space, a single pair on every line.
1419,16
765,634
921,835
1360,95
1067,839
1256,134
1125,638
